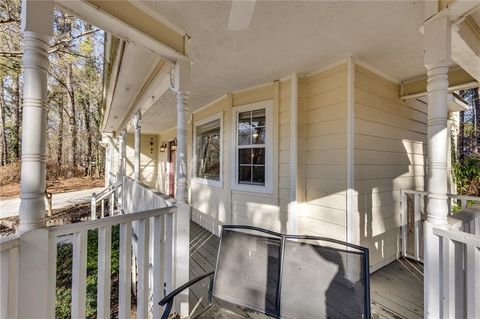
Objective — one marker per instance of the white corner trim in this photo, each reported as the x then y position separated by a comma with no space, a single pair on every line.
350,198
268,188
205,181
293,207
377,71
293,136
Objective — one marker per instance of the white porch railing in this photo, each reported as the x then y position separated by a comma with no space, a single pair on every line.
9,255
109,193
138,197
468,220
459,273
154,262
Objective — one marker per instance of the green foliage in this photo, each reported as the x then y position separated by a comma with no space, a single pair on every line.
467,176
64,273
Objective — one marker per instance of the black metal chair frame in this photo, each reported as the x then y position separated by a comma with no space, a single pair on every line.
167,301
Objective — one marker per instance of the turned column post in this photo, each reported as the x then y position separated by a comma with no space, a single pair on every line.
182,227
137,118
437,61
37,27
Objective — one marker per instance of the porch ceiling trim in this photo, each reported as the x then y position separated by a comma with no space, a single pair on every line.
458,79
132,24
156,84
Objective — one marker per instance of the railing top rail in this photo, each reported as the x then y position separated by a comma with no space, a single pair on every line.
466,197
107,191
109,221
9,242
411,191
459,236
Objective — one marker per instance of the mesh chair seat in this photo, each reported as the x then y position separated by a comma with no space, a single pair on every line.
264,274
217,312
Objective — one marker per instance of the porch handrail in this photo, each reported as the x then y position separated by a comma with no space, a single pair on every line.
459,273
154,229
418,203
100,197
9,255
66,229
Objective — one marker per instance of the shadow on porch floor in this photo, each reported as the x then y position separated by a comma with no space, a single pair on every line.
396,290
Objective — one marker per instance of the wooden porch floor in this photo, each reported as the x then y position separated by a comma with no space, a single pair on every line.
396,290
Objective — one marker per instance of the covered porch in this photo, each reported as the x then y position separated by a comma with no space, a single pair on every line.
313,168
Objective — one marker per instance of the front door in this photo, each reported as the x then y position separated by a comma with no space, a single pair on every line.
171,168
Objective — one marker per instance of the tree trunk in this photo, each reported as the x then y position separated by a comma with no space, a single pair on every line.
60,133
4,155
71,122
86,110
16,114
476,106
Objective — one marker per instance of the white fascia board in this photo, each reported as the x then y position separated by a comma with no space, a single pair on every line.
119,28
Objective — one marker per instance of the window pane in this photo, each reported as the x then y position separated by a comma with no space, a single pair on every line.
258,156
258,118
258,136
244,174
245,156
258,175
208,150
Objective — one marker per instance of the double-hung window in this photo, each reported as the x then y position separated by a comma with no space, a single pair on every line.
208,151
253,147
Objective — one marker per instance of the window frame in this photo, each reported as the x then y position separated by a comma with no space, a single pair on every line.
235,185
201,180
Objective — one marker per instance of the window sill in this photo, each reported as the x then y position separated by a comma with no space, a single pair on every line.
207,182
252,189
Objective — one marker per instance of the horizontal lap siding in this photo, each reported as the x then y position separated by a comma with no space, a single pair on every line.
148,158
390,155
215,206
323,99
162,183
211,205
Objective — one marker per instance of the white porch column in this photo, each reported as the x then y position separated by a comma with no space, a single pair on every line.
437,60
37,27
137,118
182,231
121,166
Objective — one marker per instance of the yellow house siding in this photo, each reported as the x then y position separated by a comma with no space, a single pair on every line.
148,158
390,150
162,162
323,127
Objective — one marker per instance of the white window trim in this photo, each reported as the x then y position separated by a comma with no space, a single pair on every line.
268,187
200,180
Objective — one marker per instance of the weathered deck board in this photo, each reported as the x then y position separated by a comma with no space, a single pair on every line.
396,290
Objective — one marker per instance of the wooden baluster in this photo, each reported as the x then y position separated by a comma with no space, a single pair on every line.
404,204
93,206
52,275
158,264
142,268
104,272
79,275
472,281
448,277
416,223
125,283
102,209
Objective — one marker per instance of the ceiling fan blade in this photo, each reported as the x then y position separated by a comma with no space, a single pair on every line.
241,14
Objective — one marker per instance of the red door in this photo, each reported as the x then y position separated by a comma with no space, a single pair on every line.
171,169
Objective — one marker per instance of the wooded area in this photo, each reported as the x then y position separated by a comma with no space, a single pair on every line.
74,95
466,160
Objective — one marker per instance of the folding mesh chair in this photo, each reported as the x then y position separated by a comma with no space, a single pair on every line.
263,274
